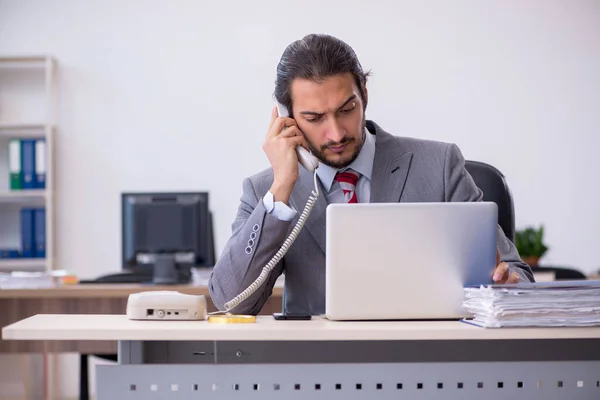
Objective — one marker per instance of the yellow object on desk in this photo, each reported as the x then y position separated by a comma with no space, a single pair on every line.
70,280
232,319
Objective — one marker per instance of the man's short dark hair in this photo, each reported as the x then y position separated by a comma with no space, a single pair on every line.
317,57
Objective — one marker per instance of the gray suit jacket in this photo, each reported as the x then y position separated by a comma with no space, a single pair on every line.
404,170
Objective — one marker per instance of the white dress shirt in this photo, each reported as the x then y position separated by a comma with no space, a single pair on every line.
363,164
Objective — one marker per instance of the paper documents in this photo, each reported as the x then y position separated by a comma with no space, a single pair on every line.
558,303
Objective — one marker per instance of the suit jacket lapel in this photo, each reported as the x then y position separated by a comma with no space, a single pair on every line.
390,167
315,223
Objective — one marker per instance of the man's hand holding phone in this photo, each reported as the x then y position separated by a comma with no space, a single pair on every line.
280,143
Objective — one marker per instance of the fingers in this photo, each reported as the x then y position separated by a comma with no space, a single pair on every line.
501,273
295,136
292,136
299,141
514,278
278,124
290,131
274,115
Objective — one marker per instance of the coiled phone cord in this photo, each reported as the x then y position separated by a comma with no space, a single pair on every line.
312,199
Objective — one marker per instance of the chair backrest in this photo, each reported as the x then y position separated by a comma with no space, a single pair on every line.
494,187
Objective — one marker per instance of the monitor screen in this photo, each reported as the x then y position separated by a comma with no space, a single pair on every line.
165,227
178,224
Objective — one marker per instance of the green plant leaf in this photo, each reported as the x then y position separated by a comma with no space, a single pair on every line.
530,242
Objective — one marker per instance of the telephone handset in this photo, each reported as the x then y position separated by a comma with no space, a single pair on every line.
311,163
306,159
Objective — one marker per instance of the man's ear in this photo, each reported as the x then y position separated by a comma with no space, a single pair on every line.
366,92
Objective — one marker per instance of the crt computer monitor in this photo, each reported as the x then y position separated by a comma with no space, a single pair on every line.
164,235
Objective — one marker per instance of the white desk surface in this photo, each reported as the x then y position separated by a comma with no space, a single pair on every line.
118,327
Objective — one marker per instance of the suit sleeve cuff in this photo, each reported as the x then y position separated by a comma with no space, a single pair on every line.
523,276
278,209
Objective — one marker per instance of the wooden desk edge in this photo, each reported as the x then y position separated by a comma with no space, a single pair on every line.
267,330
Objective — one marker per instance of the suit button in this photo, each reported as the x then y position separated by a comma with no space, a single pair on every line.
250,243
255,227
253,235
248,250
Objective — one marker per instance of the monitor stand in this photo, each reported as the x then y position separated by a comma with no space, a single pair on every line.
165,270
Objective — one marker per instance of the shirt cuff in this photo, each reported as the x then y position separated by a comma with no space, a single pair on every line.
278,209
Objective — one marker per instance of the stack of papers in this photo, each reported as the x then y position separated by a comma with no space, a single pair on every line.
25,280
32,280
559,303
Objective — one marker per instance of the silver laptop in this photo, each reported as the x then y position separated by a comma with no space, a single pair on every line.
406,260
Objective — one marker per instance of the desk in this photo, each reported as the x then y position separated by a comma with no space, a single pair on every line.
323,359
17,304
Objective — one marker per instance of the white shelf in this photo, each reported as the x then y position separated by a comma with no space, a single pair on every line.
24,58
16,196
22,264
15,127
24,131
25,61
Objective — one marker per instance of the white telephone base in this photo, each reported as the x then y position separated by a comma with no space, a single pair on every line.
166,305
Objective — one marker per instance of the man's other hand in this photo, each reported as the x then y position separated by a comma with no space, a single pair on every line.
502,272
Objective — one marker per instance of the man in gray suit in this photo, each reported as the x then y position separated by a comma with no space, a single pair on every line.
322,84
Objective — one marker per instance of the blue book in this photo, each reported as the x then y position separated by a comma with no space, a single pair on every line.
27,232
40,164
39,232
9,253
28,164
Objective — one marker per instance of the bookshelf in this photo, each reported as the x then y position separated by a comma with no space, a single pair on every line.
27,110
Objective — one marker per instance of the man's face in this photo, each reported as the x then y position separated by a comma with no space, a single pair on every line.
331,116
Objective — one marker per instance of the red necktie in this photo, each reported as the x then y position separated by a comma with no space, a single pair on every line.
347,180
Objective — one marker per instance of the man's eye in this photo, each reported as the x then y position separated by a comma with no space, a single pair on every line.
348,110
313,119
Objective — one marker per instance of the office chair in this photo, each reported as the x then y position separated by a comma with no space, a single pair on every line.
494,187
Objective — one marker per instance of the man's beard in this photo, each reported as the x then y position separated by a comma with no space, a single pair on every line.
338,164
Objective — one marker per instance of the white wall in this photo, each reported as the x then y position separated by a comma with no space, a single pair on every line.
177,95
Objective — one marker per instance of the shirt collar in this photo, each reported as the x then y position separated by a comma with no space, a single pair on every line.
363,164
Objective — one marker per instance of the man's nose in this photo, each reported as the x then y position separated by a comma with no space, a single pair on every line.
335,132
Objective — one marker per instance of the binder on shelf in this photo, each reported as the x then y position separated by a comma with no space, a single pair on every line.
27,232
28,163
14,164
9,253
40,164
39,232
